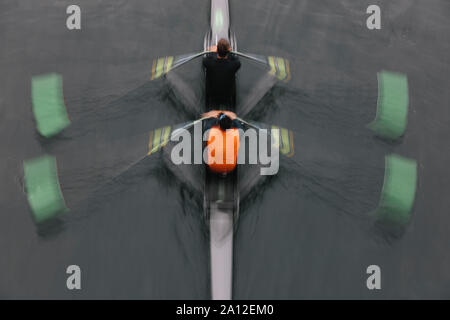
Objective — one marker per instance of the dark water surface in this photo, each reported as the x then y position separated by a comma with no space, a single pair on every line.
307,233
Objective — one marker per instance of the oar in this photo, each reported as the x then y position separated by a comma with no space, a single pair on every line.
163,65
140,147
282,137
157,139
279,67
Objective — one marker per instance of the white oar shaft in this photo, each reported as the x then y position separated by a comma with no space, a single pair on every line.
162,66
251,57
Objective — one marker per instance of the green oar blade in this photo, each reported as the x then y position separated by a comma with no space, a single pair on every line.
48,104
399,190
392,109
42,188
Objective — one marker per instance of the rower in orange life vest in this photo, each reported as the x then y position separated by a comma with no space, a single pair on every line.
223,140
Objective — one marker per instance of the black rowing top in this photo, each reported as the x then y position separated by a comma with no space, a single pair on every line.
220,81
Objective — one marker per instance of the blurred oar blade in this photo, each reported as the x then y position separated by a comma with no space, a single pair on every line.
279,67
49,108
392,106
161,66
43,189
399,190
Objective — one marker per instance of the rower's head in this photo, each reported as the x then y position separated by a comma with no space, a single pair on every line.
225,121
223,47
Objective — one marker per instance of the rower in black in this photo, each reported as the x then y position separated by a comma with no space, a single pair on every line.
220,70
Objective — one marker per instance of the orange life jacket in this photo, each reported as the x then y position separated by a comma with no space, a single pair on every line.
222,149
